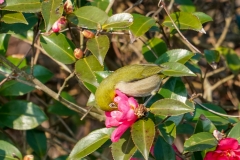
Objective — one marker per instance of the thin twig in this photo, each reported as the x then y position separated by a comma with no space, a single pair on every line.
222,81
65,82
109,6
66,126
134,5
161,4
155,55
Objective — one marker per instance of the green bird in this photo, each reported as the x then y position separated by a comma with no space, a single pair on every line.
138,80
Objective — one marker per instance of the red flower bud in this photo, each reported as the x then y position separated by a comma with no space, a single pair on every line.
59,24
68,7
78,53
88,34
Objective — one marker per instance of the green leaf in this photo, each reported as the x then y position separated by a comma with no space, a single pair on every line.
204,125
120,20
58,47
51,11
5,137
9,152
88,17
185,128
163,151
60,109
90,87
101,75
212,57
37,141
186,5
15,88
30,6
90,143
157,45
16,61
141,24
169,107
124,148
4,38
175,55
174,88
233,60
184,20
234,132
200,141
168,131
99,47
193,67
203,17
143,132
20,28
214,118
176,69
21,115
13,17
102,4
85,69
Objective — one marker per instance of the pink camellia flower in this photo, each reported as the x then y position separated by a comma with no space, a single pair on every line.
1,1
227,149
122,118
59,24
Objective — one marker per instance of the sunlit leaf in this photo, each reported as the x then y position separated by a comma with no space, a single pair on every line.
143,132
169,107
51,11
30,6
204,125
120,20
200,141
176,69
88,17
90,143
59,47
99,47
168,131
4,38
203,17
13,17
21,115
186,5
9,152
234,132
141,24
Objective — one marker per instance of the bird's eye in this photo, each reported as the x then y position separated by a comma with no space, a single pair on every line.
112,105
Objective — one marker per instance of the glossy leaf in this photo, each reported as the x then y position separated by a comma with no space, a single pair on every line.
174,88
102,4
163,151
176,119
143,132
212,57
13,17
4,38
157,45
101,75
120,20
204,125
37,141
234,132
193,67
185,128
141,24
88,17
58,47
186,5
216,119
200,141
19,28
90,87
176,69
21,115
232,59
203,17
184,20
16,61
99,47
169,107
124,148
85,69
51,11
90,143
9,152
30,6
175,55
15,88
168,131
60,109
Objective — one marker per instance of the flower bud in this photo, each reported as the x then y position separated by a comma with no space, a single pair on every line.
59,24
68,7
88,34
78,53
28,157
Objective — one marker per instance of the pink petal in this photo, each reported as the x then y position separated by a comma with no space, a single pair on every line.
1,1
118,132
227,144
133,102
